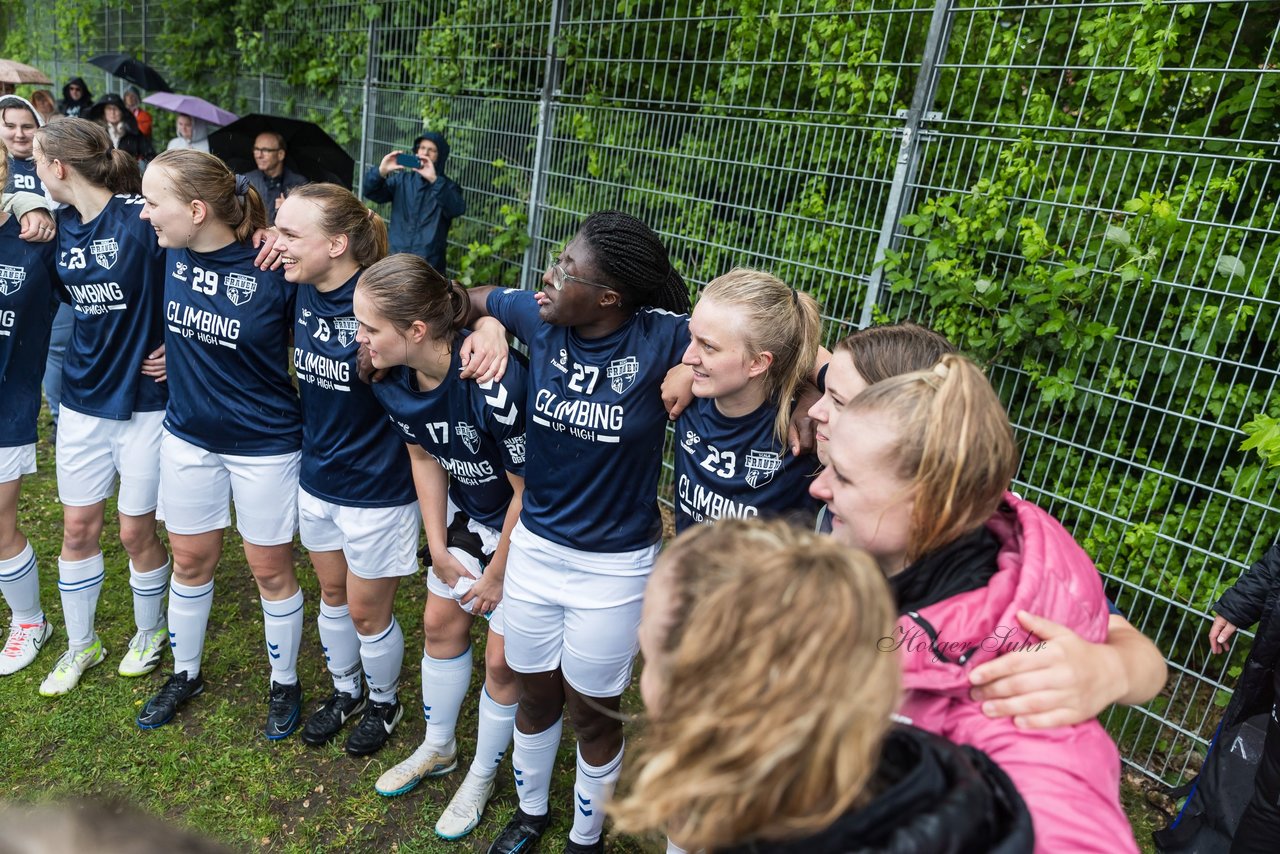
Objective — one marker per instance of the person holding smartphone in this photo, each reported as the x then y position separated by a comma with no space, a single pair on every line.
424,201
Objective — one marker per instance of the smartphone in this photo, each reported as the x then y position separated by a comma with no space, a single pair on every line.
409,161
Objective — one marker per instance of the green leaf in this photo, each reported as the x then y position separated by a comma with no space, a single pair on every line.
1230,265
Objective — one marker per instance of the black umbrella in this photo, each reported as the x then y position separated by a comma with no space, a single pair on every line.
134,70
311,152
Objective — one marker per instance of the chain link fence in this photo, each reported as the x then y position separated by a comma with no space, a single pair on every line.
1081,194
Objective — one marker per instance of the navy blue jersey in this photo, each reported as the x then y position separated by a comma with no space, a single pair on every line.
351,454
735,467
112,269
475,432
596,424
23,177
227,346
27,306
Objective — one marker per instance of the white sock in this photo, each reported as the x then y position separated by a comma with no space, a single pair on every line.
149,589
282,627
591,791
672,848
80,582
382,655
20,584
341,647
444,686
188,618
533,759
493,736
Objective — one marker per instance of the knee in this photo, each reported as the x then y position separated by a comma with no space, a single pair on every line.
80,535
278,584
438,631
334,595
369,624
496,672
596,732
137,538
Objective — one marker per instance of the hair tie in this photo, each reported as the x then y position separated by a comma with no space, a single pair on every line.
368,213
795,297
942,370
242,185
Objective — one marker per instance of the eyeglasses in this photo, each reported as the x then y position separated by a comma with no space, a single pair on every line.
559,276
257,150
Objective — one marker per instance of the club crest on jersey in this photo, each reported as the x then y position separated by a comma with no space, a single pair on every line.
240,288
180,271
761,467
515,449
105,252
622,373
561,364
346,327
690,439
11,279
468,435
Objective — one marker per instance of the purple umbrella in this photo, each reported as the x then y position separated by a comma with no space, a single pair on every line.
197,108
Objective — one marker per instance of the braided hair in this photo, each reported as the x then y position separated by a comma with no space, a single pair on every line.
634,261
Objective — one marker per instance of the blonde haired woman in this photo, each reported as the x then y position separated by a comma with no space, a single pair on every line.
764,734
753,342
919,477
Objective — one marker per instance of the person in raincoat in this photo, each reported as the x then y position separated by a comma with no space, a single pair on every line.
424,202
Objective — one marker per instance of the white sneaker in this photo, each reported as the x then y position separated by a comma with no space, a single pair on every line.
426,761
66,673
145,651
464,811
24,644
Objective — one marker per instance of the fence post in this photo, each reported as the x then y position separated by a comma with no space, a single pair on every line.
537,187
366,106
904,172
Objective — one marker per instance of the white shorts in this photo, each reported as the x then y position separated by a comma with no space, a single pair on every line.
576,610
92,451
471,563
17,461
196,487
378,542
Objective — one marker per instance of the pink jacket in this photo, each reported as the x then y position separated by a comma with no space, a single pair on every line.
1069,776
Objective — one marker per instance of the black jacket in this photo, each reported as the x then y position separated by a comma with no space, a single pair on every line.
131,141
1255,598
72,108
1218,793
932,795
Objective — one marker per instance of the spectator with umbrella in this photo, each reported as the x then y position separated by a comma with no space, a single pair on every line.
193,133
197,118
121,126
42,100
272,179
76,98
133,103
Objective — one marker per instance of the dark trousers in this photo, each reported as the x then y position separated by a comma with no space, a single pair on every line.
1259,830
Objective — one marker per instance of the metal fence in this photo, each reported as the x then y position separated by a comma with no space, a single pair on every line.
1113,160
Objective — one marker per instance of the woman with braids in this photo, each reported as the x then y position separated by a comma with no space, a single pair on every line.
791,750
919,477
467,446
110,417
754,341
233,429
606,327
357,513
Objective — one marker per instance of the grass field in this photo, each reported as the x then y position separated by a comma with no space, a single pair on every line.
211,769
